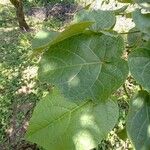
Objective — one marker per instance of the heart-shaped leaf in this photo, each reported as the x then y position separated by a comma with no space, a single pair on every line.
138,121
85,66
139,64
59,124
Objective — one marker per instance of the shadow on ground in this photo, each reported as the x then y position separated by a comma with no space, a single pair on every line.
20,89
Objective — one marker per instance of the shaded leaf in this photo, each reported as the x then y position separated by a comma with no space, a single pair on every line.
142,21
146,44
58,124
85,66
104,20
134,37
122,134
138,121
139,64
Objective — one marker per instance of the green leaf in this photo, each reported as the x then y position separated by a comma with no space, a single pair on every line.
142,21
120,10
45,39
125,1
87,6
122,134
146,37
59,124
139,64
138,121
146,44
134,37
104,20
85,66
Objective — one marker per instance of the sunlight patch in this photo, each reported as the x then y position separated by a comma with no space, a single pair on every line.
84,140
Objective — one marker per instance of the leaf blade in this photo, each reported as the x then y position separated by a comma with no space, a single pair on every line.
103,20
138,121
142,21
83,121
52,38
85,66
139,64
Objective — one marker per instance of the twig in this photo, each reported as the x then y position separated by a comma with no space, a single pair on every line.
140,87
129,32
125,90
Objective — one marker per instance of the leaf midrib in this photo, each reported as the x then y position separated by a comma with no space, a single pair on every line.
78,65
62,116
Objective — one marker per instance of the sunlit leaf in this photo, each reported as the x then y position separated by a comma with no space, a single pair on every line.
85,66
138,121
139,64
59,124
120,10
104,20
125,1
87,6
45,39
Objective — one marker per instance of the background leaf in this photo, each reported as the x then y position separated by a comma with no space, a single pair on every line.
138,121
60,124
142,21
120,10
104,20
139,64
85,66
134,37
143,3
125,1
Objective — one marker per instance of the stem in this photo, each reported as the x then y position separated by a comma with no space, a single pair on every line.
129,32
125,90
140,87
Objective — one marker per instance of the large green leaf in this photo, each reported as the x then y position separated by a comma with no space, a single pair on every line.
104,20
85,66
59,124
45,39
139,64
138,121
142,21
